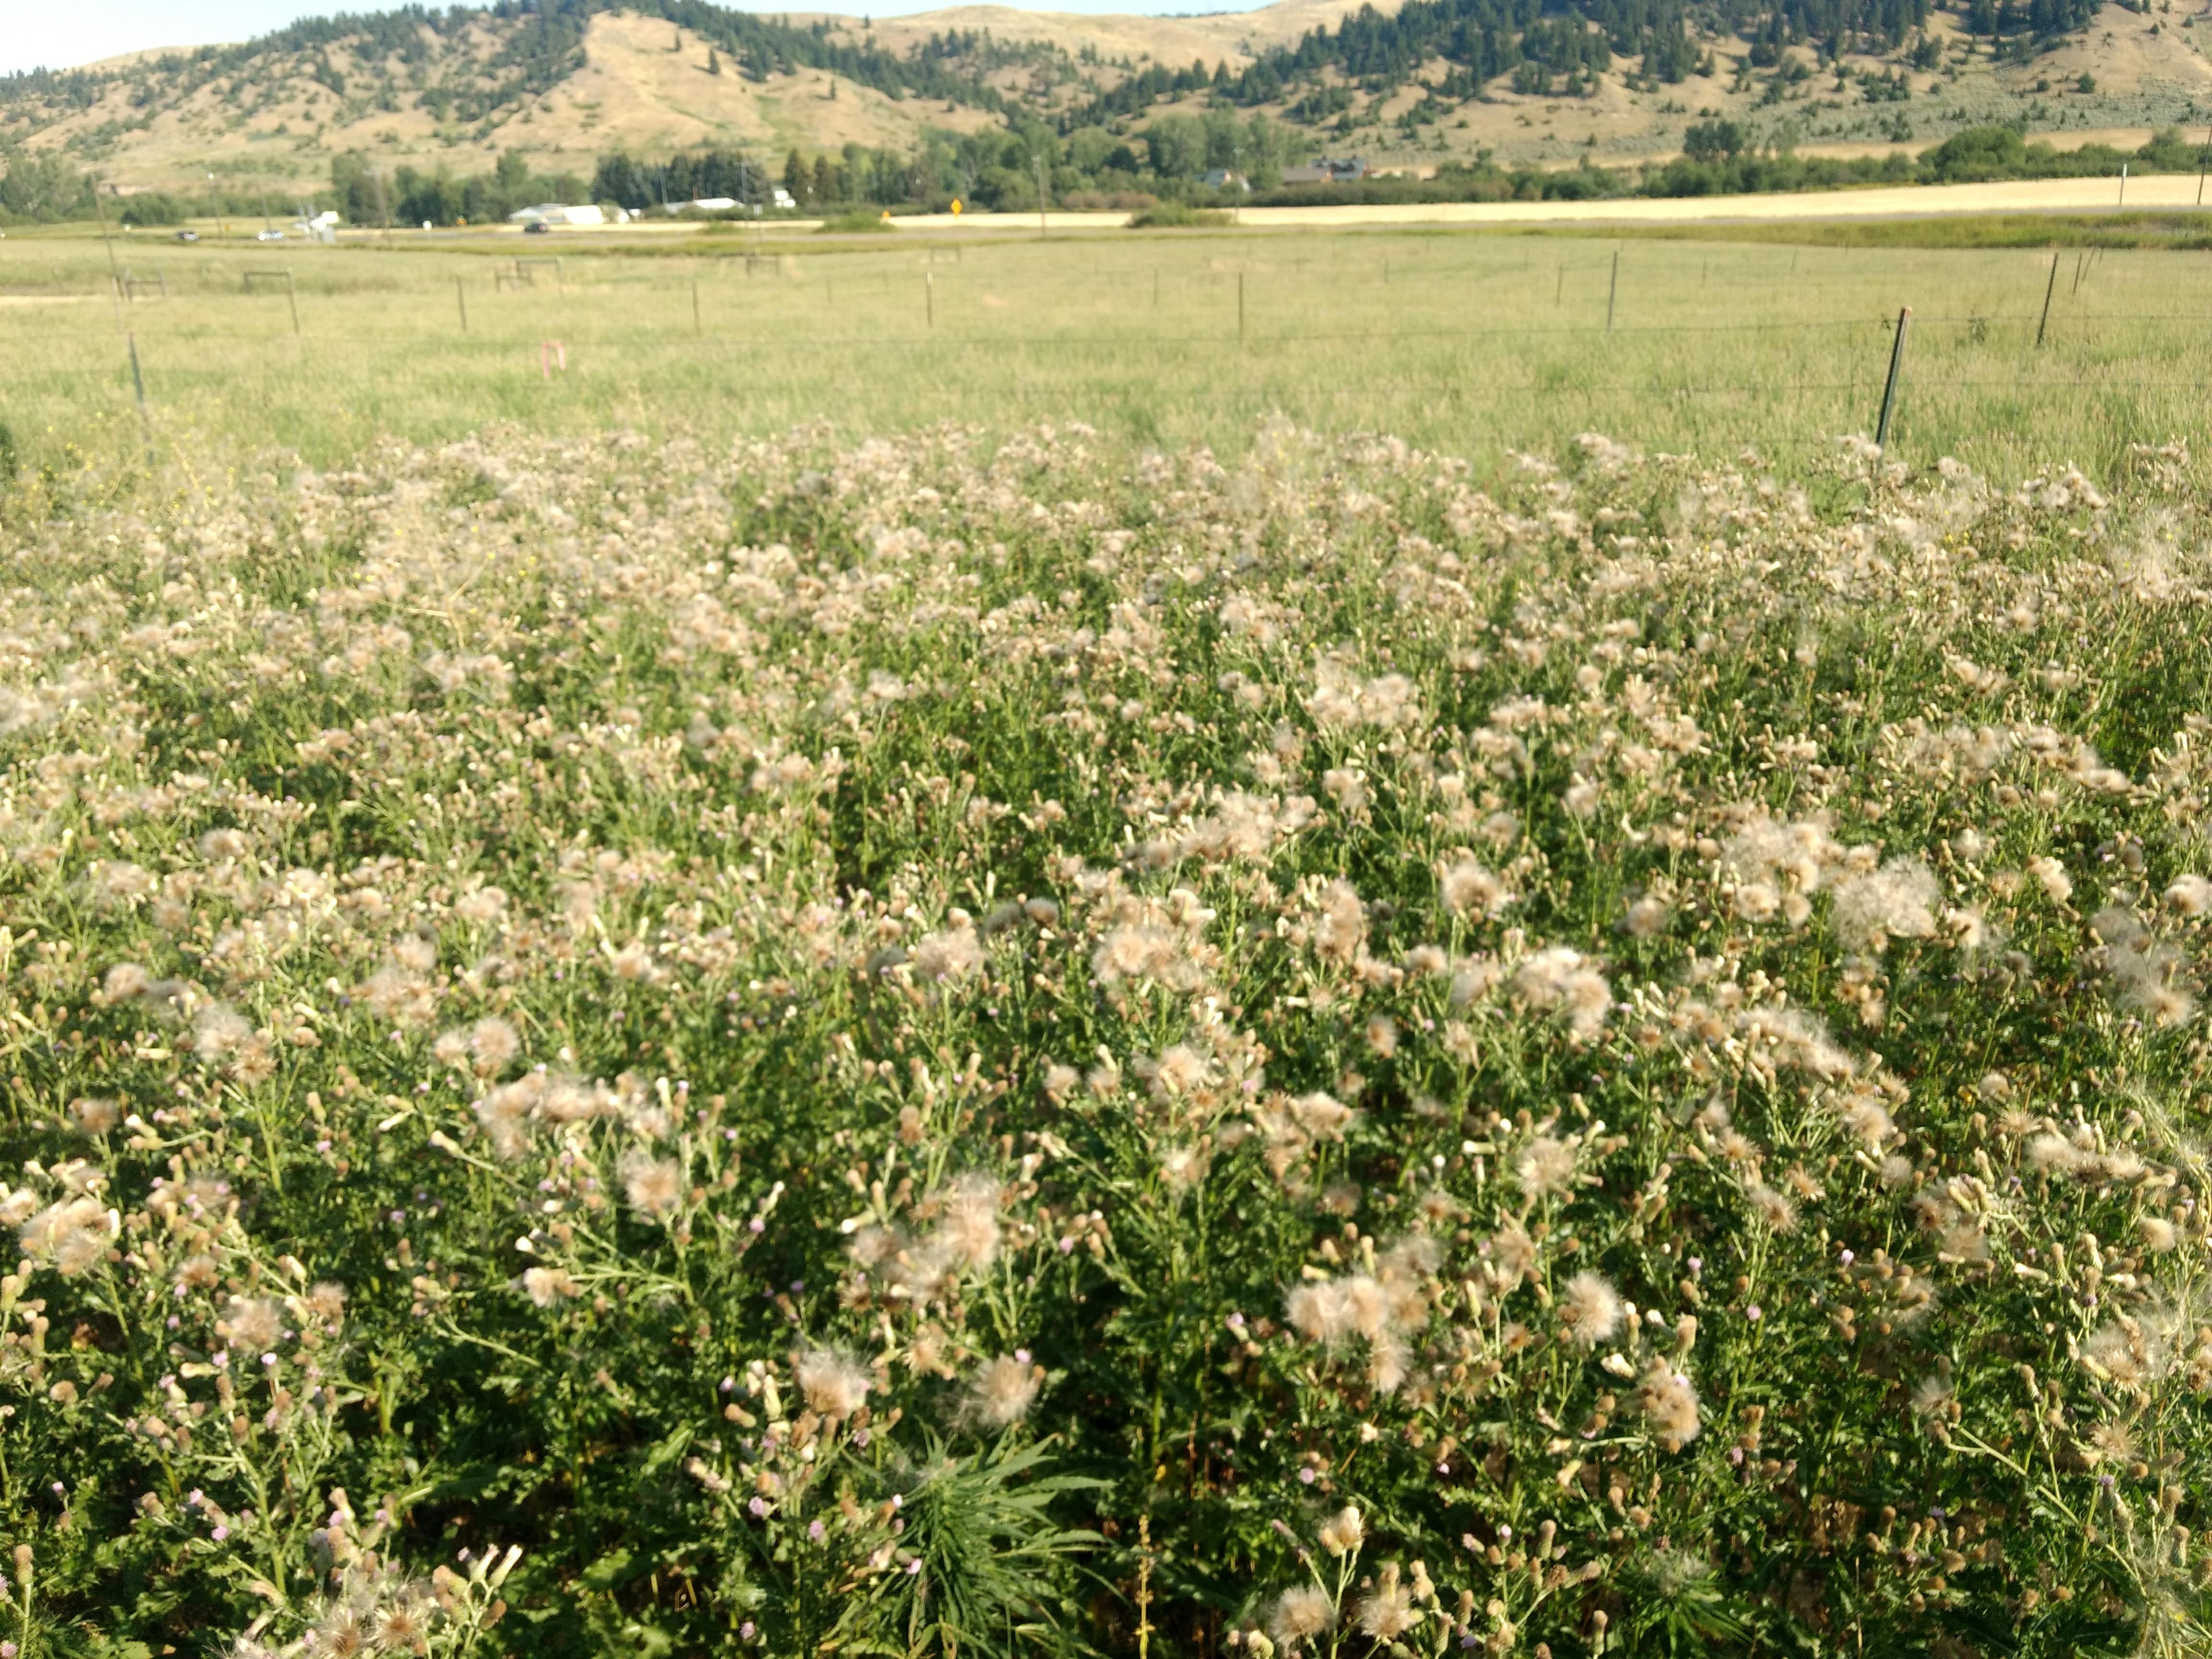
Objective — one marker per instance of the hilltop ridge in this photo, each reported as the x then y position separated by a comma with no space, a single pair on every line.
1407,86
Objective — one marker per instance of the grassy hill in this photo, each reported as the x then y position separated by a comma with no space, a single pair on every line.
1409,86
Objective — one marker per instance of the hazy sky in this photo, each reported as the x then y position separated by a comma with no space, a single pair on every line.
42,32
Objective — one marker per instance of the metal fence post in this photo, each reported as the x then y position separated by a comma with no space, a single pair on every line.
1613,292
1889,387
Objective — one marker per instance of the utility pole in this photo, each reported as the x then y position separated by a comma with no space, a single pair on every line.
1038,160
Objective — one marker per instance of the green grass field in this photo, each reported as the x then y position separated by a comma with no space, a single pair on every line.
1471,342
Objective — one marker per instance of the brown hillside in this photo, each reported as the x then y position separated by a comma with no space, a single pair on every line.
646,87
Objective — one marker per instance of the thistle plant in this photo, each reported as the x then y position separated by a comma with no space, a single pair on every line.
927,1047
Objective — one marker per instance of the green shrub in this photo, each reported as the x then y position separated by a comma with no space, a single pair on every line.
151,208
1177,216
861,222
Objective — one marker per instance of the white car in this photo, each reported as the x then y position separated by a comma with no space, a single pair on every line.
268,235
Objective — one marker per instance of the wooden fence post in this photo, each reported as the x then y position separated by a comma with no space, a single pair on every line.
138,384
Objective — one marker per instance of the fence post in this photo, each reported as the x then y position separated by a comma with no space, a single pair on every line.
461,297
1889,387
2049,289
929,296
1240,305
1613,291
292,294
695,327
2124,184
138,384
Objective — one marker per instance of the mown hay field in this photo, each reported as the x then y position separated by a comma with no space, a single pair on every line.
958,1034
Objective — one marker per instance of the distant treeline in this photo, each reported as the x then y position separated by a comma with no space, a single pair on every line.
410,196
1171,159
40,189
1720,161
994,170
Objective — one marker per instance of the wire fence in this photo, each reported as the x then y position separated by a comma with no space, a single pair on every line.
1778,381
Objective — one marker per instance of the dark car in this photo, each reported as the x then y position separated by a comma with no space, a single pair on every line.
537,228
188,236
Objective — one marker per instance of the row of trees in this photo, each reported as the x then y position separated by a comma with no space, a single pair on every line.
628,181
996,171
410,196
1721,159
43,188
46,189
1169,159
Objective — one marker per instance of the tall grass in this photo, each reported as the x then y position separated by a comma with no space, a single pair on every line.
1477,342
